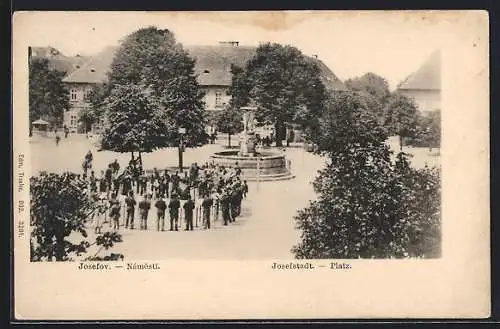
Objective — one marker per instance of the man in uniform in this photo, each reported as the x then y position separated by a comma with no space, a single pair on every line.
115,166
115,211
130,202
144,207
188,213
206,205
160,211
225,207
173,207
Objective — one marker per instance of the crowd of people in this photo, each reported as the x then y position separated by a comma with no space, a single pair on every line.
202,194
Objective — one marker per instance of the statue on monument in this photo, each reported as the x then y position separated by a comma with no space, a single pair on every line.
247,145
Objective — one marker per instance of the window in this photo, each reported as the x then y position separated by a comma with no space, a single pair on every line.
73,94
218,99
73,120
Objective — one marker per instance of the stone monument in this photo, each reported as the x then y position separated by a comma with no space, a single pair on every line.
265,165
247,139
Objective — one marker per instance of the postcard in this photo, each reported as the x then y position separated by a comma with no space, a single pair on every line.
251,165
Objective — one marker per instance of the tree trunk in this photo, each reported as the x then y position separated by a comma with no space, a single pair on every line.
229,140
401,142
140,162
59,248
278,128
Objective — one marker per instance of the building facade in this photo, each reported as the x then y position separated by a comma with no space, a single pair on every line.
213,66
424,85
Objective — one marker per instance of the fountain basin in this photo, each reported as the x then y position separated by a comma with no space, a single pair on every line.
272,166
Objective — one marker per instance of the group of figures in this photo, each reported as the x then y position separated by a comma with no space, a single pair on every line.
201,194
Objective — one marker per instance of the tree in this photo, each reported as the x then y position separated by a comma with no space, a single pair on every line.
60,208
230,122
48,98
139,123
367,206
401,117
431,129
152,59
285,86
371,84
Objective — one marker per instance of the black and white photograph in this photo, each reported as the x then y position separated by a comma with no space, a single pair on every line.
232,137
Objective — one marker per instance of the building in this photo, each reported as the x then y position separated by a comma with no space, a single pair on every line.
424,85
212,68
57,60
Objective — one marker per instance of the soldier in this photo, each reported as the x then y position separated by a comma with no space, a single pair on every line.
245,189
188,213
166,182
175,182
160,212
115,166
93,182
206,205
173,207
115,211
143,184
130,202
109,178
144,207
234,202
225,207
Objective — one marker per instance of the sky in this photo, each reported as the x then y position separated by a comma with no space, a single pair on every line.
389,44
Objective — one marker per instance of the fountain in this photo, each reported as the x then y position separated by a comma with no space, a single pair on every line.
255,165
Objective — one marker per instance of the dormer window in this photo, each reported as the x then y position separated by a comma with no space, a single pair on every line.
206,71
92,70
77,66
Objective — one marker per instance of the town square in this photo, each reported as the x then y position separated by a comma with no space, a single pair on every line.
149,149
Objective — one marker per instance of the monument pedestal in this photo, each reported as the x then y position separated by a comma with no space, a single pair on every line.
248,144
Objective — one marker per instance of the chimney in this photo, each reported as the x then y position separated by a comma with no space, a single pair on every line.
229,43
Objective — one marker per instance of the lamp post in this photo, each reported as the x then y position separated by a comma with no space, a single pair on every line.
182,131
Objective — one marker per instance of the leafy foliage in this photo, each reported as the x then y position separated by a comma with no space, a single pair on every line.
48,98
91,114
138,124
230,121
59,208
368,206
151,59
428,130
285,86
401,116
371,84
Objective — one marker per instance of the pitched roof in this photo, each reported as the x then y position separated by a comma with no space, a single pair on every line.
427,77
58,61
95,69
212,68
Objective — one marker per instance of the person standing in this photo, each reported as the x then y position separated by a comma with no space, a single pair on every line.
206,205
245,189
93,182
144,207
225,207
57,139
115,166
160,212
166,182
188,213
173,207
130,202
115,211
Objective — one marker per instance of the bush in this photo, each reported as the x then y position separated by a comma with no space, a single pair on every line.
60,207
368,206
